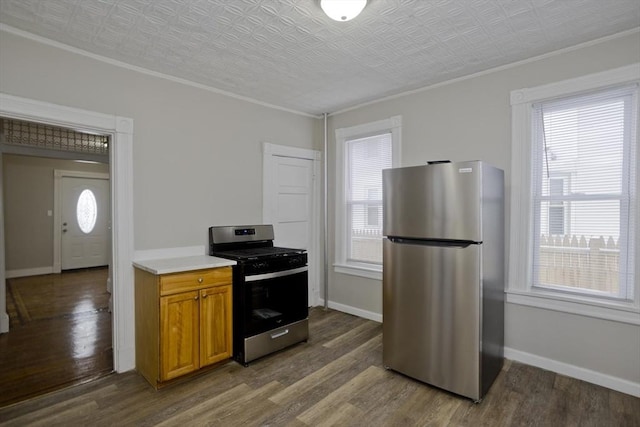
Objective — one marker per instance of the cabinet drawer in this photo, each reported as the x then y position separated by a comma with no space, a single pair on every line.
181,282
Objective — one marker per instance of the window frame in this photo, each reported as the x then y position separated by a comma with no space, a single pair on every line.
391,125
520,288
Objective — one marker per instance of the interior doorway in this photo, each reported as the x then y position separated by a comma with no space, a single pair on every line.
120,131
67,314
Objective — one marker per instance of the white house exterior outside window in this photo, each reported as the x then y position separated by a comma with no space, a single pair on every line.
574,199
362,153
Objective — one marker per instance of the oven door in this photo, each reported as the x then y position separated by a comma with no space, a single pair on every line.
275,299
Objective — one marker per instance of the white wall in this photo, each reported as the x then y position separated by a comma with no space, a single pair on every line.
471,119
197,154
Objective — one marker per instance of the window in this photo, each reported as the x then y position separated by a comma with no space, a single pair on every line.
87,211
585,136
574,195
365,158
362,153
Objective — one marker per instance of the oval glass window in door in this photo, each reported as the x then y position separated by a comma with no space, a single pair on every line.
87,211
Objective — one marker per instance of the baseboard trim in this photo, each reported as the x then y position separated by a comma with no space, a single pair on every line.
376,317
598,378
10,274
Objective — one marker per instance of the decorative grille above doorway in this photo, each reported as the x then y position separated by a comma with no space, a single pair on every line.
28,134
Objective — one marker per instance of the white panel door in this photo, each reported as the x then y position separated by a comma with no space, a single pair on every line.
294,188
85,220
289,195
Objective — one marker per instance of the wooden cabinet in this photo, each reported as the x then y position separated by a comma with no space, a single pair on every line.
179,334
183,322
215,317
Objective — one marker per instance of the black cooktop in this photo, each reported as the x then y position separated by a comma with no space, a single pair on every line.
256,253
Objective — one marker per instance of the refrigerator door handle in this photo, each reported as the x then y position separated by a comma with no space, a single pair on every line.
435,242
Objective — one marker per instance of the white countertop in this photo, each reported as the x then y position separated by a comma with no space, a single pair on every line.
181,264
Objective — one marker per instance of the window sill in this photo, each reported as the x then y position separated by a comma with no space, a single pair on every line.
370,272
623,312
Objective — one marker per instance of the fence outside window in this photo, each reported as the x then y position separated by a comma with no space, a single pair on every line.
580,262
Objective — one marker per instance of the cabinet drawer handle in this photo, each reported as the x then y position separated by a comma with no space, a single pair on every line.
200,279
279,334
196,297
204,296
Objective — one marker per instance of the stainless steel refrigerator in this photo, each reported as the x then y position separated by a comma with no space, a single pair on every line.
443,274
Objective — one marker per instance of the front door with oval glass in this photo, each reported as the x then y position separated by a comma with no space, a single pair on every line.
85,238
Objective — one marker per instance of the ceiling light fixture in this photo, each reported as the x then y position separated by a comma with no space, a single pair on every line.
342,10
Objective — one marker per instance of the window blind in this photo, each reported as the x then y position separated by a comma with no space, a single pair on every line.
583,185
365,159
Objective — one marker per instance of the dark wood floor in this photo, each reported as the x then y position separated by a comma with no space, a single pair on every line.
60,333
336,378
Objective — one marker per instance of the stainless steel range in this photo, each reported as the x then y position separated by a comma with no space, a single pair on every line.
270,302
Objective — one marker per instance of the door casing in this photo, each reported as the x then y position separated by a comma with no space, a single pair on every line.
120,130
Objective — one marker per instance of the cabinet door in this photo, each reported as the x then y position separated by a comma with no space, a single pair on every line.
179,336
215,324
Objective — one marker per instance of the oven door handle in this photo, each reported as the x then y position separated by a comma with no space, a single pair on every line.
275,274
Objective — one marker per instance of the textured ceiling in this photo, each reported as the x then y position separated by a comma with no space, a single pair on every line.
287,53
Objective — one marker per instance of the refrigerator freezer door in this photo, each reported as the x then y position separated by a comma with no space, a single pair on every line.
441,201
431,314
